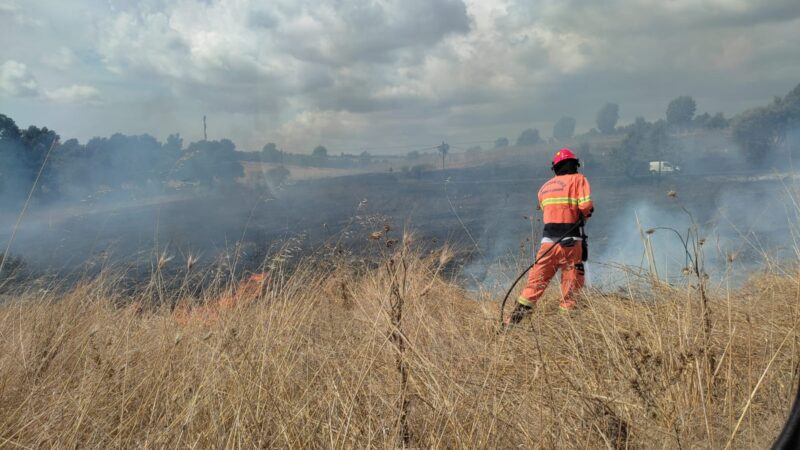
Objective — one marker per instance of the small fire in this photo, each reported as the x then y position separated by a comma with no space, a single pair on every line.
250,289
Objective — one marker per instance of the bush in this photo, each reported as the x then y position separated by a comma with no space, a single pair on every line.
278,175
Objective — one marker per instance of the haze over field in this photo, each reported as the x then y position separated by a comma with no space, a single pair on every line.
297,94
382,75
292,223
296,90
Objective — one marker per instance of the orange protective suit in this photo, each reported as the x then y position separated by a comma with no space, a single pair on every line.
565,199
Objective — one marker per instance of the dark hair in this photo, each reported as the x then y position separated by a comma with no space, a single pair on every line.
566,167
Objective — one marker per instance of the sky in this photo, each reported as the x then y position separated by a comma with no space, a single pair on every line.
387,76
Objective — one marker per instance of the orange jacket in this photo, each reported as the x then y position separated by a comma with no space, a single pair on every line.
565,199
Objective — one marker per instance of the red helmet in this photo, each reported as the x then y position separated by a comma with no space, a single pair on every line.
563,155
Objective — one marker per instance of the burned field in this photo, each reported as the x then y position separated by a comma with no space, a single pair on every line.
371,337
487,212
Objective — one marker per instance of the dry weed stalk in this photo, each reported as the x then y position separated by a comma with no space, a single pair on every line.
422,368
398,271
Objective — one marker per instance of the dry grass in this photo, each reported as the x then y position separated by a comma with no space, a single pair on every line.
255,170
318,361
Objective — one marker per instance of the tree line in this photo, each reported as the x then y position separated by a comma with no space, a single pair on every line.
760,134
113,163
319,157
757,133
680,116
140,162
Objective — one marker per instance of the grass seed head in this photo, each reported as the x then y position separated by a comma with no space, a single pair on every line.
163,259
191,261
446,255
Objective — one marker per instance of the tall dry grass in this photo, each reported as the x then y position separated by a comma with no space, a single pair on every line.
392,354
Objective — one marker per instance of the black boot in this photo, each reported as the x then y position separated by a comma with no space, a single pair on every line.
519,313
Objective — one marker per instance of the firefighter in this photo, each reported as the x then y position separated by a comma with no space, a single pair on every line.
567,203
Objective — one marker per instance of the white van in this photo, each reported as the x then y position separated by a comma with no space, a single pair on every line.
663,167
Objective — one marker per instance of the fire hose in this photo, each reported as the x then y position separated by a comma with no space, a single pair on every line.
577,225
790,435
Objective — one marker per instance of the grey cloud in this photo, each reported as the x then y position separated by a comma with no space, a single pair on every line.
262,19
339,57
16,80
12,13
74,94
758,13
314,78
373,32
421,23
625,17
8,9
367,71
248,96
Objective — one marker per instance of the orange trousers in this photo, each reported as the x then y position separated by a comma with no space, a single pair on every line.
566,259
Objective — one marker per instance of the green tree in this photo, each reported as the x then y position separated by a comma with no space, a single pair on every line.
564,128
707,121
701,120
759,131
320,152
77,170
529,137
412,155
211,163
11,159
9,131
278,175
501,142
364,159
122,160
607,118
174,144
171,152
680,112
645,142
718,121
270,153
22,155
444,149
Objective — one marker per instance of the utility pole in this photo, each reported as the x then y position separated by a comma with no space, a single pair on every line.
443,149
205,129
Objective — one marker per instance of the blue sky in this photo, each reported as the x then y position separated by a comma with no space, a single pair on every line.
382,74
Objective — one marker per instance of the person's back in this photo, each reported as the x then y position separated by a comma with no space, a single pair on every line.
566,200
